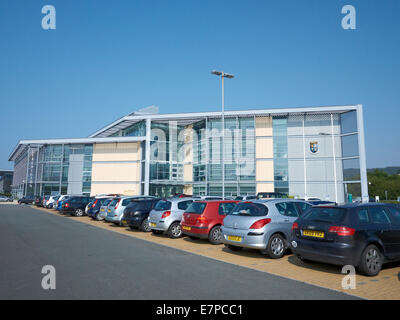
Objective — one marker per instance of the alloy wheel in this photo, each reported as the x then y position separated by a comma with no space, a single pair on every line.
373,260
277,246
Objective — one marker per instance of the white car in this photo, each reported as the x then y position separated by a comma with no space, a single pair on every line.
52,201
5,199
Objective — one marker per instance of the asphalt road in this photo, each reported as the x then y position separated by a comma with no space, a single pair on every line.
93,263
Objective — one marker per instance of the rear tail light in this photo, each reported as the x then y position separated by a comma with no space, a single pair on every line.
94,204
201,219
67,205
166,214
260,223
295,226
342,231
117,204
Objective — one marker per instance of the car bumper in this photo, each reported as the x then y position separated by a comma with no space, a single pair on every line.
159,225
114,219
325,252
195,231
134,221
246,241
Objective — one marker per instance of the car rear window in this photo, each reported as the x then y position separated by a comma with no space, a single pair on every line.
105,203
125,202
196,207
323,214
250,209
162,205
114,202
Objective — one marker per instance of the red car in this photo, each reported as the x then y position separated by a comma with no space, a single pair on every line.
203,219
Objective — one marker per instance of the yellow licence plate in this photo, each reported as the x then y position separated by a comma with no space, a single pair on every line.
109,210
123,221
235,238
102,210
186,228
152,224
315,234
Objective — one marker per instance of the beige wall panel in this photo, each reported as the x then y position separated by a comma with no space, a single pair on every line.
263,126
265,187
188,172
115,171
264,170
129,189
188,189
117,152
264,148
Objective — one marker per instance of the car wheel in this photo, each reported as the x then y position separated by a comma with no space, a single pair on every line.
145,226
234,248
215,235
276,246
97,217
156,231
79,212
174,230
371,261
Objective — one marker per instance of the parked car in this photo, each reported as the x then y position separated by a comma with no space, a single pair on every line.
167,214
262,224
136,214
5,199
59,202
44,200
363,235
207,197
115,211
27,200
94,210
38,201
203,219
244,198
322,202
272,195
75,205
101,215
51,202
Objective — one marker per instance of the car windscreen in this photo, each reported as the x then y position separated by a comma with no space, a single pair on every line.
325,214
162,205
196,207
249,209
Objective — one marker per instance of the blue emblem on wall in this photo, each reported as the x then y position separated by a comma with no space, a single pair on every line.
314,146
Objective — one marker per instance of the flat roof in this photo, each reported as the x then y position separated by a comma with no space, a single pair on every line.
128,120
23,144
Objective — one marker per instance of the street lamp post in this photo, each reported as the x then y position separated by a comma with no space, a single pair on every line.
229,76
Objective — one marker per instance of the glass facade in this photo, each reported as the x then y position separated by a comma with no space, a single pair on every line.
280,143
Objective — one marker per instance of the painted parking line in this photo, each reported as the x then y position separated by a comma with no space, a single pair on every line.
382,287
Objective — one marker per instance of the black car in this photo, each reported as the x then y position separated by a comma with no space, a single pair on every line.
363,235
27,200
75,205
272,195
137,212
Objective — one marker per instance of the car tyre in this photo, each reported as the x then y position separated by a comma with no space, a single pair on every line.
145,226
371,261
276,246
234,248
79,212
215,235
174,230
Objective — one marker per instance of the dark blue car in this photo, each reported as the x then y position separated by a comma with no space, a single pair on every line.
363,235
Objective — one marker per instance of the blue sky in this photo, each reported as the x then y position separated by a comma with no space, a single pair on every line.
108,58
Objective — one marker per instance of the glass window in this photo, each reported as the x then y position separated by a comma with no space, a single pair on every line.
378,215
363,216
331,215
163,205
250,209
196,207
395,214
304,206
287,209
226,208
184,204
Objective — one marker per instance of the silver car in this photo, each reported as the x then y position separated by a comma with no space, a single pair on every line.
167,215
115,211
262,224
103,209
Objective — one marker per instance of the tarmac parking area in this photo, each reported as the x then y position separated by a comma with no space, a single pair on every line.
384,286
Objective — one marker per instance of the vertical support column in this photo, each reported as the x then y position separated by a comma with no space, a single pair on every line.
37,167
304,158
27,171
361,151
207,156
334,158
61,167
147,158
